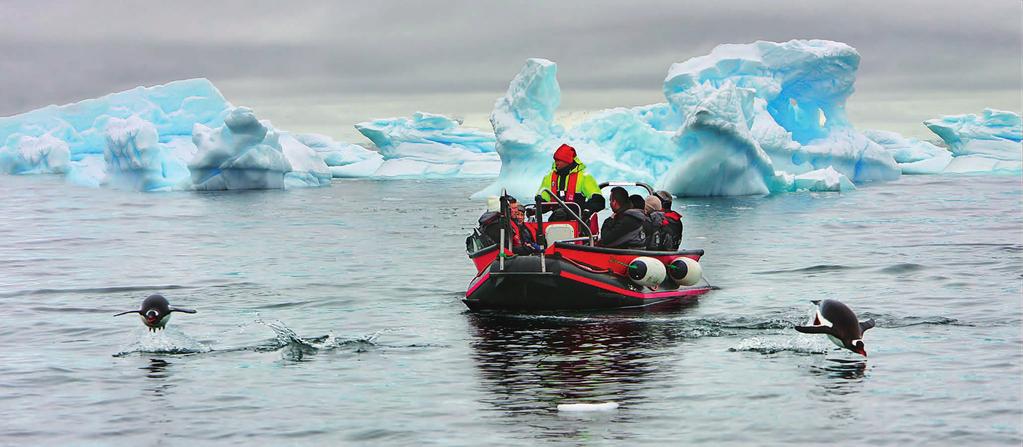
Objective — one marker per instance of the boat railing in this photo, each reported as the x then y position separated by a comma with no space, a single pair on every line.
649,190
583,226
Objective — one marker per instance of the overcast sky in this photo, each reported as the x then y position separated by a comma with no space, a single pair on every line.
322,66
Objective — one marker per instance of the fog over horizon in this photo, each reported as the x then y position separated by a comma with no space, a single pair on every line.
321,67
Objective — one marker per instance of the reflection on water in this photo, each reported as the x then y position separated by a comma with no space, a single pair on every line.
532,363
157,369
841,376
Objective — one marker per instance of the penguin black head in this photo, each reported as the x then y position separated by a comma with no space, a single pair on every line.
839,323
155,312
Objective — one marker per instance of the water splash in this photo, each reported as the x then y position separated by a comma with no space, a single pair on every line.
167,341
773,345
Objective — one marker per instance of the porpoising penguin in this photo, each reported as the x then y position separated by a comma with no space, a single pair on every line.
840,324
156,312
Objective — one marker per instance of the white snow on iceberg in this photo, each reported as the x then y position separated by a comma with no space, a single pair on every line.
23,154
745,119
135,159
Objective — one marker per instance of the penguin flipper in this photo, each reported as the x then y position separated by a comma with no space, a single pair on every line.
178,309
816,302
864,325
129,312
813,329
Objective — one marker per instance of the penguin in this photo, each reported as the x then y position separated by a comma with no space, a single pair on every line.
156,312
839,323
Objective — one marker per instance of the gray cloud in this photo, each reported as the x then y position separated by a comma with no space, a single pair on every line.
313,52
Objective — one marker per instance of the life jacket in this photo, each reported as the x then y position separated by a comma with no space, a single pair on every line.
567,194
516,240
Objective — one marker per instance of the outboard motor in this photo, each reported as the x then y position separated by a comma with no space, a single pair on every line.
647,272
685,271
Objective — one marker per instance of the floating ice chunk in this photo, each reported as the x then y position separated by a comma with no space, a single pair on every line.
135,159
827,179
995,134
30,155
247,153
912,155
606,406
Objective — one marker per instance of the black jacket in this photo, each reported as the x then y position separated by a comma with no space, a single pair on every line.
624,230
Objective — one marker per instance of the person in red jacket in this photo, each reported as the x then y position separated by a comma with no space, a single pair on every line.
674,227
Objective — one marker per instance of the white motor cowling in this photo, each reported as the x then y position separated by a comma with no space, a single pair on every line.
646,271
685,271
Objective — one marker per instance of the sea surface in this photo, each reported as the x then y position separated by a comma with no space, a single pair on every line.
333,317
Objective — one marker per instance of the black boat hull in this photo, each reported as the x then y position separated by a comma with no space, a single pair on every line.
564,285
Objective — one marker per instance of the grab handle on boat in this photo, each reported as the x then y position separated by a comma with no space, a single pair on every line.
539,211
541,237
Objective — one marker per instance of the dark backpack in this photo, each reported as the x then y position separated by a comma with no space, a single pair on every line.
658,236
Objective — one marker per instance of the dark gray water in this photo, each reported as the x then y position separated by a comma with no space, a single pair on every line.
332,316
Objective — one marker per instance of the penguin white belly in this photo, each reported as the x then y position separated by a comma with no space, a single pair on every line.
836,341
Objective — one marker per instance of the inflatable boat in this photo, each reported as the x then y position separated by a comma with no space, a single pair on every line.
570,273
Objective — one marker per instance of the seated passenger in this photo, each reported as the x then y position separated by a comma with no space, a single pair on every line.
624,229
656,224
637,202
517,236
674,228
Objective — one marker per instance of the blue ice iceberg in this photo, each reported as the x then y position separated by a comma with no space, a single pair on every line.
179,136
424,146
745,119
172,108
986,143
246,153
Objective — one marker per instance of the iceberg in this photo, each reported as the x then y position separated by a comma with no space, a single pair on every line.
744,119
425,128
986,143
172,108
424,146
179,136
246,153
